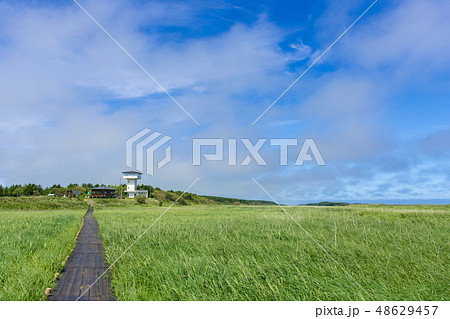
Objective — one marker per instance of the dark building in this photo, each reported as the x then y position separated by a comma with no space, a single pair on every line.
72,193
103,192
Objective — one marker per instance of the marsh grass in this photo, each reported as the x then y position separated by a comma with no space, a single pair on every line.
40,203
32,246
259,253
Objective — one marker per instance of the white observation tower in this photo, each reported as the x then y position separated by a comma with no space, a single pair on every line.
132,178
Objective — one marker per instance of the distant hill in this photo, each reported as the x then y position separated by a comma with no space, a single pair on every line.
235,201
326,204
162,196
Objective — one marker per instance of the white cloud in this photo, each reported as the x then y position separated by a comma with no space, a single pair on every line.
60,71
58,67
302,51
407,40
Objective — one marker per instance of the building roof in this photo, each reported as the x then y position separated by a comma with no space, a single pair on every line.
131,172
103,188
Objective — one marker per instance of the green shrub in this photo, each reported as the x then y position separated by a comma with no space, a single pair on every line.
160,196
181,201
141,199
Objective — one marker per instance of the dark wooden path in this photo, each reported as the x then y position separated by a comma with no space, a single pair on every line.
85,265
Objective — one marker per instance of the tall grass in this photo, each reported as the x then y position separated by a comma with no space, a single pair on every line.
32,246
259,253
107,203
40,203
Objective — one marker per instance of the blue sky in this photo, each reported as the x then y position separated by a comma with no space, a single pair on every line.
376,104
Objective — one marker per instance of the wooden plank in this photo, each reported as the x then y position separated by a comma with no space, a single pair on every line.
56,293
90,261
58,287
89,240
88,248
76,284
102,285
68,281
77,261
84,267
93,291
86,281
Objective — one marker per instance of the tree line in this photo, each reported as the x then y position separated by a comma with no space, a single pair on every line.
154,192
38,190
58,190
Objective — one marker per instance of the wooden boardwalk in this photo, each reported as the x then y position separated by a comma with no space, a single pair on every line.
84,266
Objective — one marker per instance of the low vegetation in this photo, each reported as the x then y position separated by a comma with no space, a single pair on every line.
232,252
33,243
259,253
141,199
236,201
82,191
40,203
167,198
327,204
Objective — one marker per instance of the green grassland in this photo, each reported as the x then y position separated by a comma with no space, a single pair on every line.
40,203
34,240
259,253
233,252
